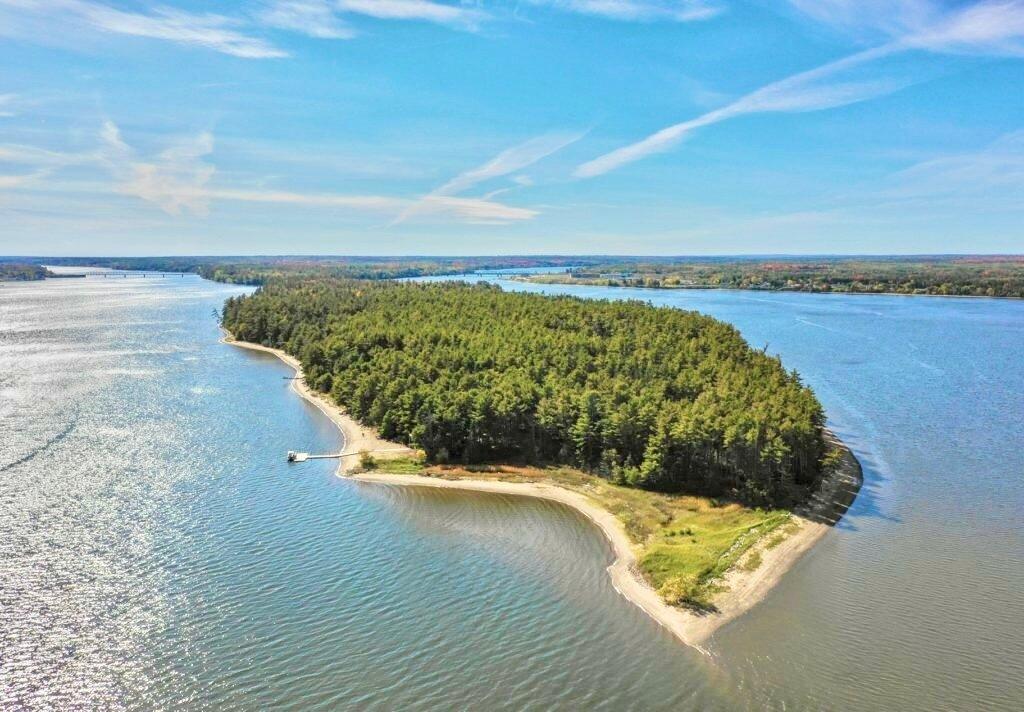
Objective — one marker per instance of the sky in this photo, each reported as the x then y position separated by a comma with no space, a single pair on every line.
390,127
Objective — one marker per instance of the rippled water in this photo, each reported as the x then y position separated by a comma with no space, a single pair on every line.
156,552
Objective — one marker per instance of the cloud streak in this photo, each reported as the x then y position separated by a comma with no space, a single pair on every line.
210,31
423,10
179,179
639,10
997,168
323,18
991,28
314,18
511,160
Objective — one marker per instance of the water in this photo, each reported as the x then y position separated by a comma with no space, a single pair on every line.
156,552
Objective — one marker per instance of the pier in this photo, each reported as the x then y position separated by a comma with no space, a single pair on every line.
295,456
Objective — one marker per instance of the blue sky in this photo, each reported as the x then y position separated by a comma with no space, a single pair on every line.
538,126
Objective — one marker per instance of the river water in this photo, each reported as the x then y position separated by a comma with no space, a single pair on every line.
157,552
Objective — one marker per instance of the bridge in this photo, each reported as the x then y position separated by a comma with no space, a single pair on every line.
134,273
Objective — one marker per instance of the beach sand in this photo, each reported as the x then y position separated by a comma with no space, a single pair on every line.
358,438
742,588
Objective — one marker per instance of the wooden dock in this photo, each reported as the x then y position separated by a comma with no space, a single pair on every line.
294,456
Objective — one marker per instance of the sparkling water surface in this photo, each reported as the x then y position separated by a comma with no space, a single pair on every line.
156,552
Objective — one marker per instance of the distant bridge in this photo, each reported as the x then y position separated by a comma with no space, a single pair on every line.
133,273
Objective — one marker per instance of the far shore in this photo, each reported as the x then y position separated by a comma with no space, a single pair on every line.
712,288
743,588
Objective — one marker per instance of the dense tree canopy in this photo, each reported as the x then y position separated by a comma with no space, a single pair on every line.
21,271
659,398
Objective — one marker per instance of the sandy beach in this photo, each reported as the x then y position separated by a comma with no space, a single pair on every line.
743,588
358,438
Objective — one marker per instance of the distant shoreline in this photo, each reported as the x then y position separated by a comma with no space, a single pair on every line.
702,288
745,588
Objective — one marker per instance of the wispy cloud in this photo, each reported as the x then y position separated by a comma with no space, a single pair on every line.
175,179
315,18
991,28
639,10
511,160
207,30
998,167
807,91
179,180
436,12
324,18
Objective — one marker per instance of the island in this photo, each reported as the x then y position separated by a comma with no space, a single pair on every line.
22,272
705,462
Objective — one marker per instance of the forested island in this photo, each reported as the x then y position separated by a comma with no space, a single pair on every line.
700,445
22,272
975,276
653,397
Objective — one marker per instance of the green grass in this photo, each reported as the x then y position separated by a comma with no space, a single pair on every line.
685,543
401,466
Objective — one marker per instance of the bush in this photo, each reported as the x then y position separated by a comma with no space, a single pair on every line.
367,461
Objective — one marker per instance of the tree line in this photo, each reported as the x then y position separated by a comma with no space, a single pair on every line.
979,276
22,272
653,397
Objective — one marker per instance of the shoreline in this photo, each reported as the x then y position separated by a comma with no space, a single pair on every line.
744,588
764,291
357,437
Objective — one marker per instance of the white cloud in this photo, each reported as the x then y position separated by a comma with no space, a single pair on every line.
473,210
998,167
639,10
988,28
799,93
175,179
207,30
436,12
315,18
178,179
375,203
869,20
508,161
321,18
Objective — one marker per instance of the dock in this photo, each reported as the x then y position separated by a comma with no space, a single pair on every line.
294,456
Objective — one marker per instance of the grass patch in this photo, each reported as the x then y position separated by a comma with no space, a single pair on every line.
783,533
400,466
685,543
753,561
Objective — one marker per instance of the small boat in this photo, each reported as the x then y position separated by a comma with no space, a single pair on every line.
297,456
